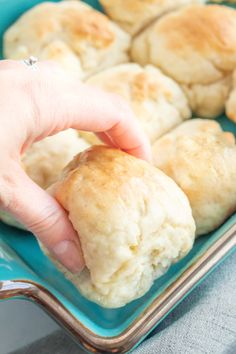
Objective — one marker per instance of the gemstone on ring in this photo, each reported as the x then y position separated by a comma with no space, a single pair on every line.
30,61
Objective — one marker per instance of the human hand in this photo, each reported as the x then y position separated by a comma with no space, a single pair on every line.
36,102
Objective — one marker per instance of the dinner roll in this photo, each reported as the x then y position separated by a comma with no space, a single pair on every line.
44,161
133,15
133,222
201,159
81,39
156,100
196,46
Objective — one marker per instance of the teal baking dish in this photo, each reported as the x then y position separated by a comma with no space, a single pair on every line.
26,273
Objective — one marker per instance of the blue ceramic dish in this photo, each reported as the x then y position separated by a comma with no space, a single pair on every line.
26,272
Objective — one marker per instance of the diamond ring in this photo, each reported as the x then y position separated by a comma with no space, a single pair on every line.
31,61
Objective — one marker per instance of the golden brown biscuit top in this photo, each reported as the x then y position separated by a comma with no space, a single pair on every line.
141,83
134,15
202,28
71,18
110,160
89,25
143,87
102,167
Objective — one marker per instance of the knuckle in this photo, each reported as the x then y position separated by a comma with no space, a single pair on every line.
48,219
7,192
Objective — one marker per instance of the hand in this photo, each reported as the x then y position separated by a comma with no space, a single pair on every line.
39,101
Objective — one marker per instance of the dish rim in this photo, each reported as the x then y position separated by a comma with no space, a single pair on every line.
145,322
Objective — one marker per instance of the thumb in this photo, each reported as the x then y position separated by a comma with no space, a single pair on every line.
42,215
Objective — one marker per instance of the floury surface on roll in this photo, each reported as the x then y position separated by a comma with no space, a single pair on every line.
201,159
45,159
157,101
81,39
196,46
133,222
133,15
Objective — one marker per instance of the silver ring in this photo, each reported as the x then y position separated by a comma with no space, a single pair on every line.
31,61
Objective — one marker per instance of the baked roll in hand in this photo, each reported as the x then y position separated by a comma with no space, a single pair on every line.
133,222
157,101
201,159
82,40
133,15
196,46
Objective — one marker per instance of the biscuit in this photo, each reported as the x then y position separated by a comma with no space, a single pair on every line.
82,40
133,222
201,159
196,46
157,101
45,160
133,15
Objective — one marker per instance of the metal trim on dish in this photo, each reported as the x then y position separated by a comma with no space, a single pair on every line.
155,312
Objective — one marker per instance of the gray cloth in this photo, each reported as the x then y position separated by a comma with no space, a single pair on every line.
205,322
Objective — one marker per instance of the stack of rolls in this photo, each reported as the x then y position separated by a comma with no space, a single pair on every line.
196,46
171,61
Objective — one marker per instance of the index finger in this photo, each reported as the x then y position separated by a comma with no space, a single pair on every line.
64,103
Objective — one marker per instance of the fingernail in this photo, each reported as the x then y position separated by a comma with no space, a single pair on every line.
69,255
